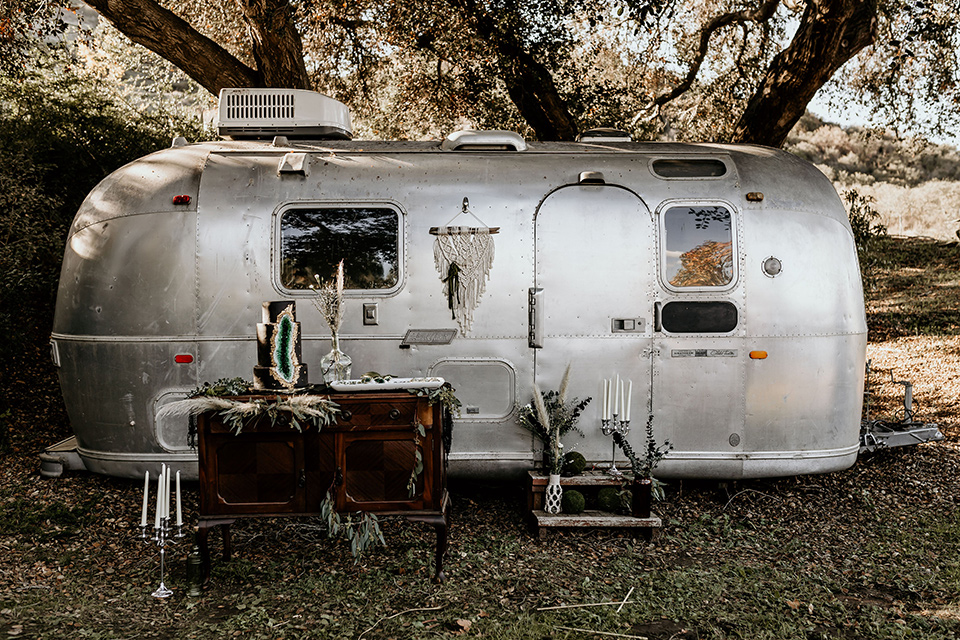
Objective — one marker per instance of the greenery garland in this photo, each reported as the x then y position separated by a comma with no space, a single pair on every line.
238,412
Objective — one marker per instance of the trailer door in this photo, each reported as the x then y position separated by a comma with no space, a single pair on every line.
592,300
699,356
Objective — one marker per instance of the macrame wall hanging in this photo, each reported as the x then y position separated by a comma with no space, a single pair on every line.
463,256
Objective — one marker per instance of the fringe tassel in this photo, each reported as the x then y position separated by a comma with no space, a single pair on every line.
473,254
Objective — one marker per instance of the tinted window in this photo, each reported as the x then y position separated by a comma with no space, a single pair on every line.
702,168
313,241
698,246
699,317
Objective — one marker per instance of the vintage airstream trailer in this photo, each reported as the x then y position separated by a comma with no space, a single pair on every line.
721,280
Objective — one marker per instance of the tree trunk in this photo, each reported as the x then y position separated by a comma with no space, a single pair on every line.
830,33
166,34
277,47
529,83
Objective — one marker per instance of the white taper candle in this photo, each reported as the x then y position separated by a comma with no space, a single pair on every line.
626,402
166,497
146,492
156,521
604,390
179,513
616,396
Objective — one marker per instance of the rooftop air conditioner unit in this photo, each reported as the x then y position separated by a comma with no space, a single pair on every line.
295,113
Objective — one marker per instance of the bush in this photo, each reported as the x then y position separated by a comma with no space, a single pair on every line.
60,134
573,464
573,502
867,226
608,499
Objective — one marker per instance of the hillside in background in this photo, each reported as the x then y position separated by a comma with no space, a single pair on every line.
915,184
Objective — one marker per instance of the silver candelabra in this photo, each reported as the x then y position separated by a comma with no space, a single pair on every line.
164,531
609,427
616,396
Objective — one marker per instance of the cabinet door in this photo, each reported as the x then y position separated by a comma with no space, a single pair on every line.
252,473
377,467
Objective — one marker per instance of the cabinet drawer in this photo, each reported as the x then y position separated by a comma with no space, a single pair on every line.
387,414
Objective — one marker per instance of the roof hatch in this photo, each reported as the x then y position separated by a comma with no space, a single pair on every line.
295,113
471,140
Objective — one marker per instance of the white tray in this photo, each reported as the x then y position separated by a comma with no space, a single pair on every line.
392,383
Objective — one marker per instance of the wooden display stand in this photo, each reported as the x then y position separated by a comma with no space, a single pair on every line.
541,522
365,460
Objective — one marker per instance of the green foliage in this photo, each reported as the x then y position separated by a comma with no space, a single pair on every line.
867,227
445,395
855,156
608,499
222,387
362,532
572,502
60,134
573,464
560,419
653,453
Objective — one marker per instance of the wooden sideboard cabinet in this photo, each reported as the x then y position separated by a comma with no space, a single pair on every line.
365,459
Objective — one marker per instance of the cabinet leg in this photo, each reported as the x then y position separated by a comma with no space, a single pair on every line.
203,542
203,535
227,549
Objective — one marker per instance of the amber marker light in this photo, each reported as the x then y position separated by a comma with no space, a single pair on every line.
183,358
758,355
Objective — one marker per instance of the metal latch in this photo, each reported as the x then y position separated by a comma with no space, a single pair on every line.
628,325
535,318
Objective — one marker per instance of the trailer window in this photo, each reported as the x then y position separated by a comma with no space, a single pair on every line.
699,317
689,168
697,246
313,241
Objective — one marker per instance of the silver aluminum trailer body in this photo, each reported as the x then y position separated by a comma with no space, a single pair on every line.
759,373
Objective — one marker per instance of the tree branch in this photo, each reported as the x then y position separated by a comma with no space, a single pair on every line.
169,36
830,33
529,83
277,47
761,14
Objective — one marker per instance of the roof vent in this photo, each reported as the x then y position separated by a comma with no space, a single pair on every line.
484,141
604,134
295,113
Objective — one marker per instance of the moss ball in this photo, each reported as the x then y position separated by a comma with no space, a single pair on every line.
574,463
572,502
608,499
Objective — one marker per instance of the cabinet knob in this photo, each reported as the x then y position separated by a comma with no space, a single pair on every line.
347,416
394,414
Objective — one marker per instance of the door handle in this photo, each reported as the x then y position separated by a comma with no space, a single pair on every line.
656,316
535,318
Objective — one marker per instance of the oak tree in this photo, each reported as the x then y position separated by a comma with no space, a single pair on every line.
728,70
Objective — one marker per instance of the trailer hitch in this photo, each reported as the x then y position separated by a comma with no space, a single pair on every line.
878,434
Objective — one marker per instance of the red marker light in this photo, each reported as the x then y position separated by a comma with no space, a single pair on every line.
183,358
184,199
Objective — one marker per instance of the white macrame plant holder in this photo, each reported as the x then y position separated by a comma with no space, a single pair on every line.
464,256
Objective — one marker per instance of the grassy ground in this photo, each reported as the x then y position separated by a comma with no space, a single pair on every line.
872,552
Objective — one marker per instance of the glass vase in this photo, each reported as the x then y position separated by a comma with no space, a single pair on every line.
335,366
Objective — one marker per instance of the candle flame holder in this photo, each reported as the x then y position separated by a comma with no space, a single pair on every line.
608,427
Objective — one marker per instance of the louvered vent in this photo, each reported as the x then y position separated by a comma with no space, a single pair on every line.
256,106
295,113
